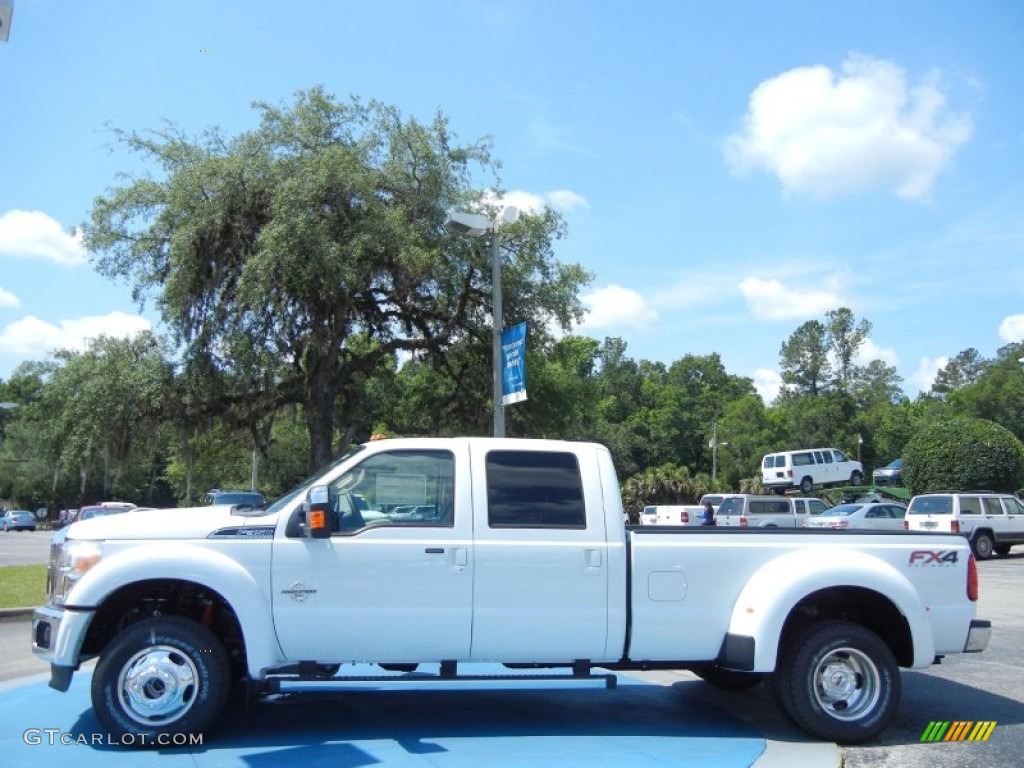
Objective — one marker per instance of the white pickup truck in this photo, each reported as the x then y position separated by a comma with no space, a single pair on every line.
462,550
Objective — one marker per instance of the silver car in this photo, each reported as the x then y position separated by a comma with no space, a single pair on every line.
868,516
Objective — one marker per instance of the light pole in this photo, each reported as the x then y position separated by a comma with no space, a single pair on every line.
478,225
714,444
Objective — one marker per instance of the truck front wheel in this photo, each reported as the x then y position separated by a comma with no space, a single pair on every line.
838,681
159,678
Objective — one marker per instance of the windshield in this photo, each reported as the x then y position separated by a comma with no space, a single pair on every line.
305,485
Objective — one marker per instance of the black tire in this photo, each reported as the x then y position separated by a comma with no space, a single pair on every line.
982,545
1003,549
780,491
727,679
806,485
856,479
164,676
838,681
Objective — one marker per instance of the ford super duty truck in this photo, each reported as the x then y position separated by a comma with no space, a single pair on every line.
454,551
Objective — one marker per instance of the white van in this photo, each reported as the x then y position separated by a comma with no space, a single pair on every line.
809,468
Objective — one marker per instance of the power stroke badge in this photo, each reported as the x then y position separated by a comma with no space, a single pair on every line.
298,592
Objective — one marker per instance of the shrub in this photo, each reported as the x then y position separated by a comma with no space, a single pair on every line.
963,454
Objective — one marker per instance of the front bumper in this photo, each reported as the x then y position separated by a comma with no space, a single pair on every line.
57,636
978,636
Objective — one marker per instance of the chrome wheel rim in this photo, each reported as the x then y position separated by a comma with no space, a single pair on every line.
158,685
847,684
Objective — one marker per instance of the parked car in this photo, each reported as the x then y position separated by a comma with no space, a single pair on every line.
871,516
19,520
749,511
890,474
90,511
672,514
809,468
251,499
992,522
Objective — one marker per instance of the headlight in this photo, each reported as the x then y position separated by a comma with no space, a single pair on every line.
73,559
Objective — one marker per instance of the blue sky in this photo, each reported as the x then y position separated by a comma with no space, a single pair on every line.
728,170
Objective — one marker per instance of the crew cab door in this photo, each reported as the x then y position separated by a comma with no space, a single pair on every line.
541,562
393,582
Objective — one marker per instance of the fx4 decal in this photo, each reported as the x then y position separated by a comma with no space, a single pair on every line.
934,557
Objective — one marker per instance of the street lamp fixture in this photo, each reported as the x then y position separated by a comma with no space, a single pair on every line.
479,225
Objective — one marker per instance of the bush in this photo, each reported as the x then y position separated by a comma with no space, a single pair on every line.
963,454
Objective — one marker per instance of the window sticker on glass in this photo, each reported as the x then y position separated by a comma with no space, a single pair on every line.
401,489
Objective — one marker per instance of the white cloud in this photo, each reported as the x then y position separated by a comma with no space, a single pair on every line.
8,299
869,351
617,306
1012,328
34,235
827,134
926,372
33,337
767,383
564,200
771,300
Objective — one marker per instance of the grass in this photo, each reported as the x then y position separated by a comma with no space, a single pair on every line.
22,586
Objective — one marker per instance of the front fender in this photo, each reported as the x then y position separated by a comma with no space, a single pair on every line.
772,592
201,565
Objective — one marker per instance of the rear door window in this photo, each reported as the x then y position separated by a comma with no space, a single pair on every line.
992,506
534,489
970,505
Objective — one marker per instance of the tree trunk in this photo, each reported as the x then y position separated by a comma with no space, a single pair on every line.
319,413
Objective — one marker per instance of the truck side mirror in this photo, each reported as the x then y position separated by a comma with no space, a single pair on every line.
318,511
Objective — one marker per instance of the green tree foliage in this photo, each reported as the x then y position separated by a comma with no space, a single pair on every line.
844,336
667,484
964,369
998,392
96,429
803,359
959,453
294,260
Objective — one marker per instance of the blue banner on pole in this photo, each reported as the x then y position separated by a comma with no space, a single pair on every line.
513,364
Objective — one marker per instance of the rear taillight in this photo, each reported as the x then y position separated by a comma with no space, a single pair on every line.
954,526
972,579
840,524
789,473
684,517
906,525
743,522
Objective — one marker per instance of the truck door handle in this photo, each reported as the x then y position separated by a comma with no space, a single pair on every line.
461,556
593,558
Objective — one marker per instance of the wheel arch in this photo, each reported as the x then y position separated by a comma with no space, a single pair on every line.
827,583
187,581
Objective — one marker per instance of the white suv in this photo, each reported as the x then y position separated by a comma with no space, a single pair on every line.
992,522
808,468
747,511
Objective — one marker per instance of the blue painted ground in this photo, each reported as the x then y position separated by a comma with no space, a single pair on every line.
638,724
